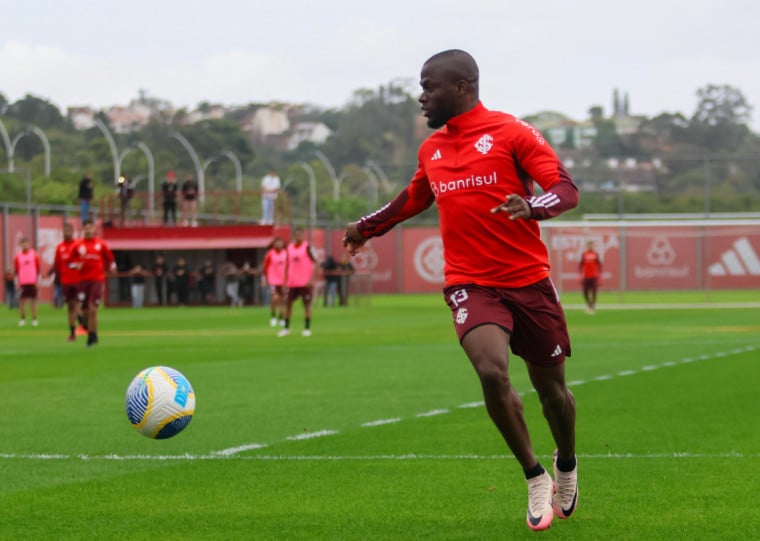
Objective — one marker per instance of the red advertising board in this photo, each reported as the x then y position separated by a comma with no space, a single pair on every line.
732,257
422,260
661,258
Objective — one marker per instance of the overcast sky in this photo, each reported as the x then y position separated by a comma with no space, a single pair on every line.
533,55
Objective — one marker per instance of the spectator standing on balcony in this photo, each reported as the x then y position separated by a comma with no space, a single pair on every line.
26,265
169,190
125,190
190,202
270,187
85,196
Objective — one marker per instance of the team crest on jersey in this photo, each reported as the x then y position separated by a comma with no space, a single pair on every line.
484,144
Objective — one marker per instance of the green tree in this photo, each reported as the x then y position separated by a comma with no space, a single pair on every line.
720,121
38,112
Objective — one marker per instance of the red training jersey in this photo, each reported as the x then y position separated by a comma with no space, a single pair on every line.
591,264
95,257
469,167
63,255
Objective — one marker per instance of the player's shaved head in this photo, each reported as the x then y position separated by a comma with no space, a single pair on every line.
455,65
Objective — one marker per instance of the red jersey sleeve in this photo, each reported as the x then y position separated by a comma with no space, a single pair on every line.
540,163
413,199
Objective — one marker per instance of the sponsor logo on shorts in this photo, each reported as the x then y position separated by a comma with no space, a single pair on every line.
462,316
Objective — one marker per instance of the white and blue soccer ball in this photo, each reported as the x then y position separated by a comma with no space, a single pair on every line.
160,402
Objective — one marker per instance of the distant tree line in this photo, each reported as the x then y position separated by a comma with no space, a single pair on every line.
373,152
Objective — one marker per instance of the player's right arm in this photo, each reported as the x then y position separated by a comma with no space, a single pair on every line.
413,199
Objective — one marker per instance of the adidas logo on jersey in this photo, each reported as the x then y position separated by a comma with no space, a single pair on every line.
436,155
740,260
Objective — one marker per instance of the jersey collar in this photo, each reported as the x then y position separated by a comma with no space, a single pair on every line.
457,123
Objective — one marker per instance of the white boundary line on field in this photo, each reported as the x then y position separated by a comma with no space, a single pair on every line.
338,458
234,452
665,306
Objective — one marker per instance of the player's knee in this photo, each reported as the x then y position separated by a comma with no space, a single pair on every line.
492,374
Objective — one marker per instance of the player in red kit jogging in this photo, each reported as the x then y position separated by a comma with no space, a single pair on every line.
590,267
69,277
480,168
92,258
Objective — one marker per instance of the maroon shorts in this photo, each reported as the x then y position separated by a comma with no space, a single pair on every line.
28,291
90,292
305,292
590,284
531,315
69,292
277,290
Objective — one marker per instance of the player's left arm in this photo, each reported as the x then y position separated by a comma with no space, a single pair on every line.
109,261
539,161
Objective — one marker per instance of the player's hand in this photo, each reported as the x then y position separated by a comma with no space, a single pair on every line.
515,206
352,239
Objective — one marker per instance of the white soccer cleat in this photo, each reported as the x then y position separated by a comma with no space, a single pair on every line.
21,323
565,497
34,323
273,322
306,332
284,332
540,513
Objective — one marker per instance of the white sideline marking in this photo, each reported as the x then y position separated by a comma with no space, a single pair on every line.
411,456
240,449
380,422
626,372
310,435
472,404
432,413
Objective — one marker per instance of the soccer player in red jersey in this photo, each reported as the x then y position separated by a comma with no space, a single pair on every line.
480,167
590,267
69,277
92,258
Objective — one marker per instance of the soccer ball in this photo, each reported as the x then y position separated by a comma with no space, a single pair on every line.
160,402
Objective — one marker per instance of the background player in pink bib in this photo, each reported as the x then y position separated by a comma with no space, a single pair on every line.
26,266
299,279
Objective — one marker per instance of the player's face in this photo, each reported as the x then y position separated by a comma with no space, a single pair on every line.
68,232
438,97
88,230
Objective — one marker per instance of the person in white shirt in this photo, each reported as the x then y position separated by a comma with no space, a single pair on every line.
270,186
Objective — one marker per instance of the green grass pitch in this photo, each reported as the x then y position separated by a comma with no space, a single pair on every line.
373,428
